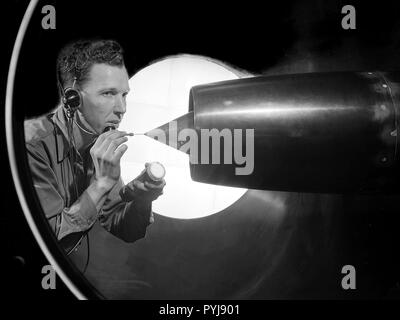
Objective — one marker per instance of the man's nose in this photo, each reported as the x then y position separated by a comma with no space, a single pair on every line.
120,104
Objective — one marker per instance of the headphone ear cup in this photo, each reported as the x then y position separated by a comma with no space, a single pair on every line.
72,98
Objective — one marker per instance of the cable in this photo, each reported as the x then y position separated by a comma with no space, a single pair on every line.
88,252
72,145
84,130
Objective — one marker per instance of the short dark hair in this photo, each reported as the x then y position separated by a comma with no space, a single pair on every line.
76,58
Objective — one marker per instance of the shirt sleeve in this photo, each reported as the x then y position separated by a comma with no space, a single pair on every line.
78,217
127,221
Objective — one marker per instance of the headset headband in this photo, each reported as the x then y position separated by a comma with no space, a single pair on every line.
71,97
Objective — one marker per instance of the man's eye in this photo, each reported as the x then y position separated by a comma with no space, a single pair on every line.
107,94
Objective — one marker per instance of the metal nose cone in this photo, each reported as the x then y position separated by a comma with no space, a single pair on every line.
168,133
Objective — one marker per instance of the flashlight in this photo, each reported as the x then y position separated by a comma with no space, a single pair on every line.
154,173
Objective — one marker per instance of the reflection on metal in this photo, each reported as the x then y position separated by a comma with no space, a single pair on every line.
314,132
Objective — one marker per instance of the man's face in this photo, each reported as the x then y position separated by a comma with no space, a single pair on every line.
104,96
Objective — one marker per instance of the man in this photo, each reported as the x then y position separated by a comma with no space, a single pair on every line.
75,164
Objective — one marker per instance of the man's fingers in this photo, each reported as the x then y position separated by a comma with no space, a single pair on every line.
103,136
155,186
107,139
99,141
140,185
114,145
120,152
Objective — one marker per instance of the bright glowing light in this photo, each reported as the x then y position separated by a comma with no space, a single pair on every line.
160,93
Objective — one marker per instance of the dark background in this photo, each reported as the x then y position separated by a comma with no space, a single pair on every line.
271,38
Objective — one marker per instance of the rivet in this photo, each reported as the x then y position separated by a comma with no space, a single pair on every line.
369,72
384,159
383,107
394,133
384,85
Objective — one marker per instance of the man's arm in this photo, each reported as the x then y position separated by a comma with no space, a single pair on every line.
127,221
80,215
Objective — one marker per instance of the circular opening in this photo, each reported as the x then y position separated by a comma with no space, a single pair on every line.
160,93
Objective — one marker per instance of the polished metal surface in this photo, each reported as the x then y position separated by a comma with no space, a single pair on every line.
313,132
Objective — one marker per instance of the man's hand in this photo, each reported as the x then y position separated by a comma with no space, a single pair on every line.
139,190
142,192
106,154
148,191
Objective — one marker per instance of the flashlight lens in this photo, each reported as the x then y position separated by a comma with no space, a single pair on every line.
156,171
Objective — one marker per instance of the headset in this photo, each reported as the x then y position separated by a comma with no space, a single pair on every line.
71,98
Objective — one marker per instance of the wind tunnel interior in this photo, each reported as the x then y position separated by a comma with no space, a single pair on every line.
268,244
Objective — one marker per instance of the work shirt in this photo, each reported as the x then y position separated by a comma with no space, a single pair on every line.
61,176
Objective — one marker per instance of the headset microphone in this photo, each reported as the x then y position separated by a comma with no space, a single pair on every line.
108,128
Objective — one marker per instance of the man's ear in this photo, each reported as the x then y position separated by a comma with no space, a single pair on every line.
83,98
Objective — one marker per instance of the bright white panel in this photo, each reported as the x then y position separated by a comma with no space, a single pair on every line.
159,94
